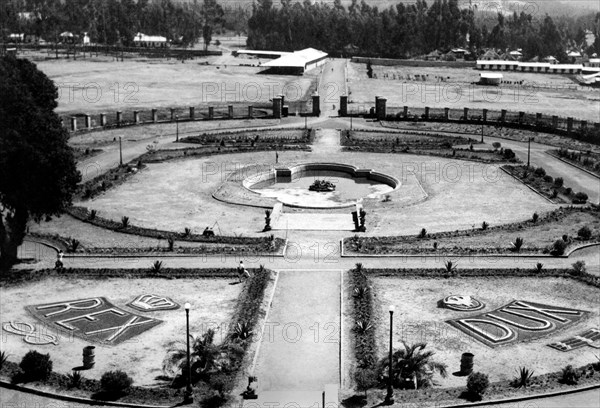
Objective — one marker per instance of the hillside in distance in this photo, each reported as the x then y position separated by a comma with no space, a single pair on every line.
550,7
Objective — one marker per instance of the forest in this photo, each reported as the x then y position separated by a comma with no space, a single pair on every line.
409,30
403,30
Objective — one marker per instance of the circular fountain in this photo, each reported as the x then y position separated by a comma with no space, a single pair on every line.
346,185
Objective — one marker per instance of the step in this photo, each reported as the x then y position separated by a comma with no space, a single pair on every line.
289,398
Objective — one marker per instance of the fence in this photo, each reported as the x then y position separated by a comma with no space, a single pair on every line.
576,128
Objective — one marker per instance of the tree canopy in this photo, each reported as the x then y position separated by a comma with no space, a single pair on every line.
38,175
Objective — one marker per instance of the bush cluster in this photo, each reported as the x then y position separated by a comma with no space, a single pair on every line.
364,349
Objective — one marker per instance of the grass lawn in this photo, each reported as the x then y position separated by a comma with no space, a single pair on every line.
536,238
435,194
95,86
418,319
212,301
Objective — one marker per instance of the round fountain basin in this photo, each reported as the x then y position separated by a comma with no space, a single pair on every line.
290,185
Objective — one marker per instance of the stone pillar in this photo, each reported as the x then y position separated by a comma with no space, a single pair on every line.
73,124
569,125
503,115
282,96
103,119
277,107
554,121
484,115
230,111
344,105
251,112
154,116
192,112
447,114
211,112
466,113
119,117
88,121
172,114
136,117
405,111
426,112
316,101
380,108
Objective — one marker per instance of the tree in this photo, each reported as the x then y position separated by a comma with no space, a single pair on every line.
38,175
414,363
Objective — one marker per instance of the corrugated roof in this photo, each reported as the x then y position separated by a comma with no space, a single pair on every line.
297,59
260,52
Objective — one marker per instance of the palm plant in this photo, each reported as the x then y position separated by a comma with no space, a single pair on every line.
538,267
242,331
524,376
205,357
124,221
450,266
156,266
517,244
414,363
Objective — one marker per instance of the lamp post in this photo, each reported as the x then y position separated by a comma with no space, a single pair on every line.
389,397
482,131
187,398
177,128
120,153
529,149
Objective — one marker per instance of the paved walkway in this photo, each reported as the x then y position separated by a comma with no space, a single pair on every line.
327,141
300,347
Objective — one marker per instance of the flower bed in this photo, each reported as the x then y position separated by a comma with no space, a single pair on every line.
258,244
450,241
587,160
544,184
424,143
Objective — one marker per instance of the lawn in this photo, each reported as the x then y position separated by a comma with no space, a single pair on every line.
418,319
212,305
94,86
435,194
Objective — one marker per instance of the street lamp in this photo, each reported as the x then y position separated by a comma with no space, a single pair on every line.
187,398
177,129
389,397
529,149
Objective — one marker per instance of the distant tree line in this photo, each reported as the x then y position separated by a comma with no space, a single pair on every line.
408,30
113,21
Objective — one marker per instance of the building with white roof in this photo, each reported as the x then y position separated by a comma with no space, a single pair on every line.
144,40
541,67
297,62
490,78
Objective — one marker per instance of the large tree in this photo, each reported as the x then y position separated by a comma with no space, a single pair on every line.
38,175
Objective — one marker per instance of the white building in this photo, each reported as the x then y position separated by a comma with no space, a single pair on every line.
298,62
143,40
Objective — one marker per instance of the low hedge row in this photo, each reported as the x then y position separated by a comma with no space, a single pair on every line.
22,276
84,214
582,277
92,388
545,218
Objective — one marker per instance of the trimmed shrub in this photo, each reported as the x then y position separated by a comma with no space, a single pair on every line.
580,198
484,225
579,268
540,172
584,232
115,383
558,248
477,384
548,178
535,217
570,375
423,233
36,366
568,191
558,182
